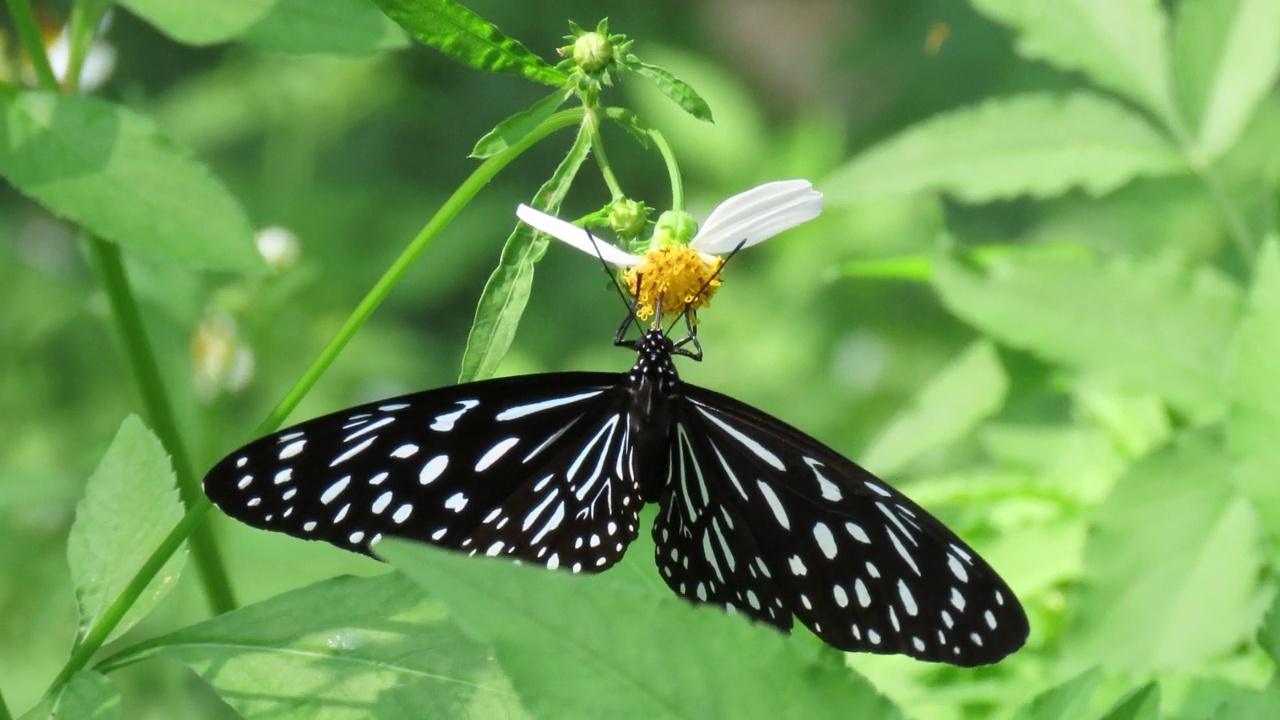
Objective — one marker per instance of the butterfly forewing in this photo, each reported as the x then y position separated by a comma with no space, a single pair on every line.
527,467
862,566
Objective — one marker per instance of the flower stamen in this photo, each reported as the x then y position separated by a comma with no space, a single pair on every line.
680,277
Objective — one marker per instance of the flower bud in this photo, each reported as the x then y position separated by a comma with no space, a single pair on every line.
628,218
221,361
675,227
593,52
279,247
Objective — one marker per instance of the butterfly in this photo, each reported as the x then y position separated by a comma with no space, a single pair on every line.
753,515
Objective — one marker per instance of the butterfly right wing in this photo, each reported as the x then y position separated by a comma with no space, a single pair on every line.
535,467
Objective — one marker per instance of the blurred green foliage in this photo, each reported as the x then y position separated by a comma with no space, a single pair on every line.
1044,300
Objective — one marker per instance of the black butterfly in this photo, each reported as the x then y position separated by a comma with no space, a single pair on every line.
754,515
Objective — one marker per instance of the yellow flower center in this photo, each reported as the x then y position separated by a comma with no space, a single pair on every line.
675,275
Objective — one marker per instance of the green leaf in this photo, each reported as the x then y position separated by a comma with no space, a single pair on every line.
1039,145
673,87
468,38
343,648
967,391
1068,701
88,696
337,27
1174,545
1226,57
507,291
594,646
130,505
112,171
515,128
1122,45
1141,704
1253,422
1153,326
1269,634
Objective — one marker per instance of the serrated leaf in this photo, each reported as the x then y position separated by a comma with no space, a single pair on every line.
1253,422
1064,702
468,38
507,291
681,92
88,696
967,391
1037,145
111,170
1121,45
343,648
1226,57
515,128
1141,704
130,505
1153,326
591,647
1172,545
341,27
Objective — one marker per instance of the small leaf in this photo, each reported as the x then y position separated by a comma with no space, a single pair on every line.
1269,634
335,27
1253,421
1227,56
130,505
468,38
507,291
1038,145
632,123
967,391
1141,704
1067,701
1153,326
111,170
1174,543
343,648
1120,45
673,87
515,128
88,696
595,646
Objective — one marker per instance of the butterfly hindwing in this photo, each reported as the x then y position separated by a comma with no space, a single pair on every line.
862,566
525,467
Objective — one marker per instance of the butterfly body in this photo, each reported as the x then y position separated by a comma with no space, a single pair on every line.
753,514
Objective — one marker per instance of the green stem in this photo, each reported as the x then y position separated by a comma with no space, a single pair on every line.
159,411
454,205
82,28
673,169
591,125
24,21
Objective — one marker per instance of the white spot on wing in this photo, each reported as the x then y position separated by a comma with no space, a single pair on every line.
456,502
495,453
406,450
432,469
402,513
775,505
352,452
520,411
334,490
445,422
756,448
292,449
826,541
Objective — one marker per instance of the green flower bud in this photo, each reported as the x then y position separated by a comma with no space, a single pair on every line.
628,218
675,228
593,52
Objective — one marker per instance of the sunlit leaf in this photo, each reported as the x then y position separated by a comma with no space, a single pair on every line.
345,27
673,87
111,170
1152,326
130,505
1121,45
970,389
88,696
590,647
507,291
1141,704
468,38
343,648
1226,57
1064,702
1175,543
1037,145
515,128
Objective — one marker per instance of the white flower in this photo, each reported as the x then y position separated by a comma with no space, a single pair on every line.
279,247
683,275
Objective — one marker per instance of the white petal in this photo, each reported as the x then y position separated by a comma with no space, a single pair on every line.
758,214
575,236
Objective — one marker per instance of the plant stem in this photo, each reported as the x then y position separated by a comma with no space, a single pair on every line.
24,21
159,411
591,125
673,169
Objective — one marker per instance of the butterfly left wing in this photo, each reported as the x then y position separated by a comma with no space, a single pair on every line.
814,534
530,467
